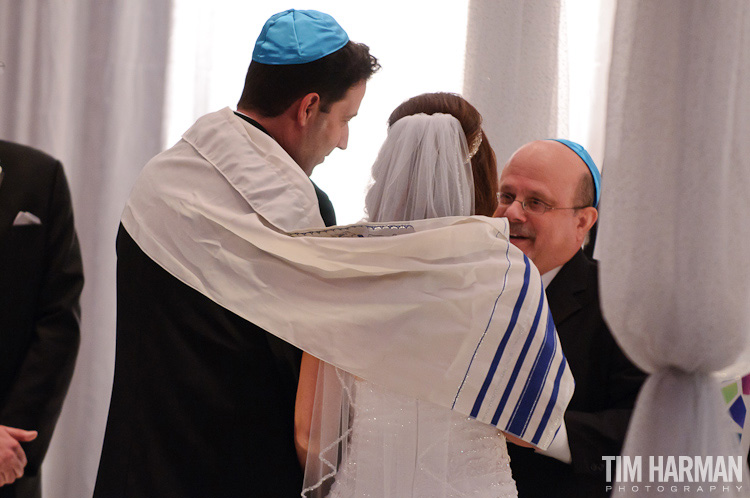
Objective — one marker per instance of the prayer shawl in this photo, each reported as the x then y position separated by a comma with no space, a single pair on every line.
445,310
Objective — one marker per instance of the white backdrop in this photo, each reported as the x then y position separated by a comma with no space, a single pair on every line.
538,69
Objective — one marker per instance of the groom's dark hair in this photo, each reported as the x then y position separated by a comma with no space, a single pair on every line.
272,89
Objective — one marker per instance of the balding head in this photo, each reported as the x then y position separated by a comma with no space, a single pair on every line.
549,173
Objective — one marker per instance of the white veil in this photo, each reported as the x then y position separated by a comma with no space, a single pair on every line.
422,171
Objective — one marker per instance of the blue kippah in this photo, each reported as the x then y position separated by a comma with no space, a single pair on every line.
578,149
297,37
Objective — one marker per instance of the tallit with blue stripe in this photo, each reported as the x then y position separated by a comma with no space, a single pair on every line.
444,310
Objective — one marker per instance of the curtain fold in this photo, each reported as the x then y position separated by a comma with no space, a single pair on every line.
84,81
675,230
511,72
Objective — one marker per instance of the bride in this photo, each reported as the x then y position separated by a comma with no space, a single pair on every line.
357,439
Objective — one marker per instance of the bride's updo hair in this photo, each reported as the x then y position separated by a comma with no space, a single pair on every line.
483,161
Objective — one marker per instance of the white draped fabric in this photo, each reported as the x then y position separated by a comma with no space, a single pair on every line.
538,69
675,228
511,72
84,81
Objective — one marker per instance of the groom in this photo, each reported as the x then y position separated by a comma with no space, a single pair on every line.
203,400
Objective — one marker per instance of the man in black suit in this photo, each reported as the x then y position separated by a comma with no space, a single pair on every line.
41,278
203,400
549,191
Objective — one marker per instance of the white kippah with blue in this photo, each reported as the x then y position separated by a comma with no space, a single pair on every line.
298,37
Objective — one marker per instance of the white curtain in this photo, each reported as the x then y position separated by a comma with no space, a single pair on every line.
84,81
674,234
512,73
585,51
538,69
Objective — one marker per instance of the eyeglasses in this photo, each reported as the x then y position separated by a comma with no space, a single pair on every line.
533,206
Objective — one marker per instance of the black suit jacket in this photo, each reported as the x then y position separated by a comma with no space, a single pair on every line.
203,400
607,384
41,278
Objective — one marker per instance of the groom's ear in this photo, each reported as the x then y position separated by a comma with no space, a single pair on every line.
307,107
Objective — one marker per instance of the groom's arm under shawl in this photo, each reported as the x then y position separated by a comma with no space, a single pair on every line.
446,310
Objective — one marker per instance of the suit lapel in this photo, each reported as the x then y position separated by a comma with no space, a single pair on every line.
563,291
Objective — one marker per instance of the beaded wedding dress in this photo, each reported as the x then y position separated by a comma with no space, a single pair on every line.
401,447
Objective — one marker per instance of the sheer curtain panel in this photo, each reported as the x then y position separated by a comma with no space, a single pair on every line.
675,229
511,71
84,81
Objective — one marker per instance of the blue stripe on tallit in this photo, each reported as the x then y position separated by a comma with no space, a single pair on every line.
494,307
501,348
519,363
532,389
551,403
